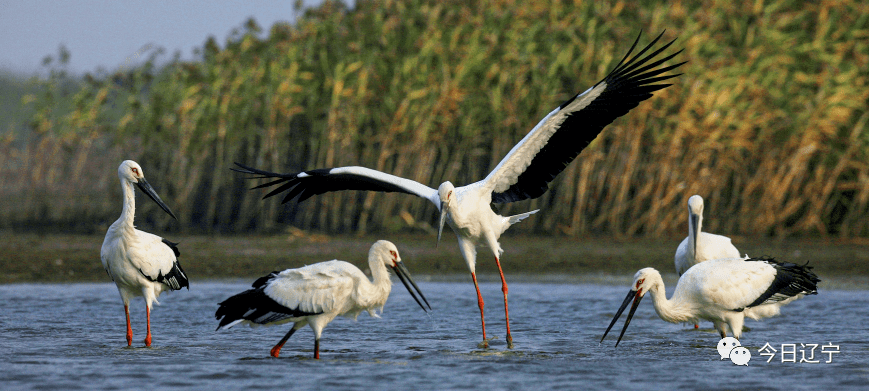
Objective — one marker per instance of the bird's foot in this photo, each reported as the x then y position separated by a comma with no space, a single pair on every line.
696,326
275,351
485,343
148,341
509,341
129,339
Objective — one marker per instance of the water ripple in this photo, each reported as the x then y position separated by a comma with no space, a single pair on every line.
71,336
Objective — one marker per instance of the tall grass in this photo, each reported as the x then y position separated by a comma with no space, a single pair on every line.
767,122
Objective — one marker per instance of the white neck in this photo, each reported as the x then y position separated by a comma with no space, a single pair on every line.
129,211
381,284
673,311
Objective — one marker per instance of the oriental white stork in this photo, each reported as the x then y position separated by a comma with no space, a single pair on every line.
314,295
723,291
701,246
523,174
140,264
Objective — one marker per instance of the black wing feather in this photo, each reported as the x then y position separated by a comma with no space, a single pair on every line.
254,305
790,280
261,282
173,246
316,182
176,278
628,84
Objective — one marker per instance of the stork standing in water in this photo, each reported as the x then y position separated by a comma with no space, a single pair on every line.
140,264
314,295
723,291
701,246
523,174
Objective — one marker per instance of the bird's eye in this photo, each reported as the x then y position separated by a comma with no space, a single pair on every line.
640,282
135,170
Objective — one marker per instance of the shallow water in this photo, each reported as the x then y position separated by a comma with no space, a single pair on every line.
71,336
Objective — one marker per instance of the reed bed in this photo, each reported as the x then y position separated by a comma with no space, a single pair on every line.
767,123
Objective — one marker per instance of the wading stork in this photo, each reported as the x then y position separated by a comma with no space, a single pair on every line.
314,295
523,174
140,264
701,246
723,291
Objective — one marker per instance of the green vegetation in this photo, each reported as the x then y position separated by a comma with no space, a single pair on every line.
767,122
13,117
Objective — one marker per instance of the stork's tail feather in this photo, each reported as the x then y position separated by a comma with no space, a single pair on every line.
517,218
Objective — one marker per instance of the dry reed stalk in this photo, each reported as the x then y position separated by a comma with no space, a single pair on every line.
762,124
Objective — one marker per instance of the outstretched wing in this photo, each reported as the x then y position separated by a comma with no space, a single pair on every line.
309,183
559,137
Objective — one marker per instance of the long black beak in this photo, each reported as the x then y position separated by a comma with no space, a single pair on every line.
441,223
147,189
693,220
407,280
632,295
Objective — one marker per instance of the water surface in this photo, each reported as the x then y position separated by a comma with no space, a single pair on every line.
71,336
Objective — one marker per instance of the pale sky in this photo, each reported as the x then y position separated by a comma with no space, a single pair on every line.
108,34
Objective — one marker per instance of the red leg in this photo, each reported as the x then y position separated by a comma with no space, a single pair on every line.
277,349
480,303
148,337
696,326
506,308
316,348
129,329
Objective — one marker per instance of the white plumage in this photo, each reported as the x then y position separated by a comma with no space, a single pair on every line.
523,174
140,263
314,295
723,291
701,246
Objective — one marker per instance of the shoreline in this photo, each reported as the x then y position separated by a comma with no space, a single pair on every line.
53,258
